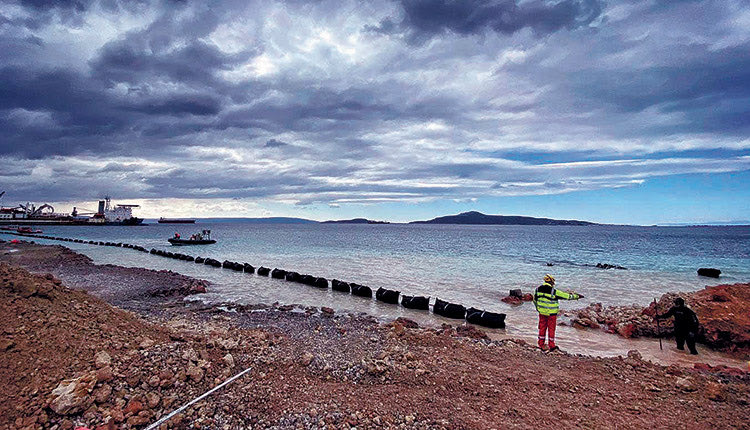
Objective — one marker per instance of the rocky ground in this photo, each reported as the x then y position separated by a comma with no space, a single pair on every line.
69,358
723,312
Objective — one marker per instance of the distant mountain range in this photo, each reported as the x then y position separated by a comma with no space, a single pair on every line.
462,218
269,220
355,221
474,217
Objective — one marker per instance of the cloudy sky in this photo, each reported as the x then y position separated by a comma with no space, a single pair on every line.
614,111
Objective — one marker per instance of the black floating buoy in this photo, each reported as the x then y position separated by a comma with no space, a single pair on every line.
321,283
416,302
278,274
248,268
307,279
200,260
449,310
292,276
337,285
709,272
387,296
238,267
263,271
485,319
360,290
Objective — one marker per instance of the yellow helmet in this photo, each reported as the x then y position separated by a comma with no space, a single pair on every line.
549,279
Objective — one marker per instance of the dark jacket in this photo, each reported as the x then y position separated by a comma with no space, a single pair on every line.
685,320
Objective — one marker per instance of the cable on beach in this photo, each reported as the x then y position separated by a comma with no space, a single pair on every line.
197,399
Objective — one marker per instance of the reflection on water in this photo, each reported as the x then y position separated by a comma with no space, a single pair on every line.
471,265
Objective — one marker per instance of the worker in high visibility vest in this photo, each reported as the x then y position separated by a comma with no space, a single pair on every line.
546,298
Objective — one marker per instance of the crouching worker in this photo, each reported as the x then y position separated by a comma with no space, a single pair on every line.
546,298
685,325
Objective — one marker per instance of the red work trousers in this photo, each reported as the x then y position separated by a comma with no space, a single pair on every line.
547,326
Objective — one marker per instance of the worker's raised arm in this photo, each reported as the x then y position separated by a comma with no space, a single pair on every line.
566,296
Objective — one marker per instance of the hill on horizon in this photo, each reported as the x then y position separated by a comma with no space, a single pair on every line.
267,220
474,217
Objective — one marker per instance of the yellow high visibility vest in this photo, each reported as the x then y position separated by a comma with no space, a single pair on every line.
546,299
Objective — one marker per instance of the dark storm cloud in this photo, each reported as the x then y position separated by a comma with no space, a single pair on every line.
273,143
424,19
293,101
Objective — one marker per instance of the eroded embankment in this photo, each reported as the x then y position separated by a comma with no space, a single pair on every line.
723,312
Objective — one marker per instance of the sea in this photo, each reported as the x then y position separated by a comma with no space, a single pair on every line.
473,265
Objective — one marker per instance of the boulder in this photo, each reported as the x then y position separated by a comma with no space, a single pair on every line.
709,272
512,300
102,359
72,395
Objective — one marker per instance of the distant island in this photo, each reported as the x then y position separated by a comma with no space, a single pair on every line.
268,220
474,217
355,221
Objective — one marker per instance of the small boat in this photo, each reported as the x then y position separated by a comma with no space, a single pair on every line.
163,220
202,238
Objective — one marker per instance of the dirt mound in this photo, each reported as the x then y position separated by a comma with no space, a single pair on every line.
50,333
723,312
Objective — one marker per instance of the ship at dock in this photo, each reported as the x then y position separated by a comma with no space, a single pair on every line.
45,214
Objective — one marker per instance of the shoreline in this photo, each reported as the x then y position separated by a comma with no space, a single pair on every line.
316,365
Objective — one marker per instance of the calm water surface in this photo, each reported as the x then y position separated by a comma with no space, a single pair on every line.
471,265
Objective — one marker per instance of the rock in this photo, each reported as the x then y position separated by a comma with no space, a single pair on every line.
407,323
326,310
101,394
685,384
635,355
102,359
104,374
133,407
152,400
471,332
143,418
512,300
154,381
195,373
709,272
72,395
626,330
7,344
228,360
715,392
306,359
